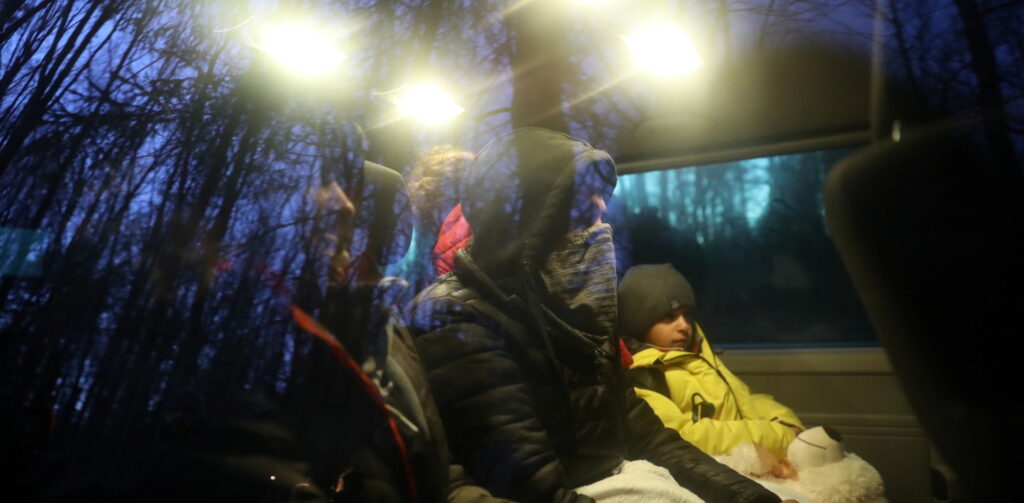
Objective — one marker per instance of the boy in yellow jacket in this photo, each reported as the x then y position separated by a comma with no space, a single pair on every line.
676,372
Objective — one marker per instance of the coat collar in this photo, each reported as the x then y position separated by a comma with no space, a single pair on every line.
654,356
470,274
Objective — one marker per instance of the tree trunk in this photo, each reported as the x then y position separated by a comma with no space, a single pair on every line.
990,94
49,83
904,52
539,66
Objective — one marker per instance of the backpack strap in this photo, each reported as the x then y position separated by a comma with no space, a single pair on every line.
650,378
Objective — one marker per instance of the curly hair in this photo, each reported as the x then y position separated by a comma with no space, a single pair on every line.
431,181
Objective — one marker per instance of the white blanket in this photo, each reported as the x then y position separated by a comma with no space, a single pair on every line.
645,482
639,482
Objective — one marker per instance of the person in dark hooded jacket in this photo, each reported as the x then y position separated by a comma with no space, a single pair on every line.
519,343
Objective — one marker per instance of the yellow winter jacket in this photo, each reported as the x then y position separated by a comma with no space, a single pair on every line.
734,416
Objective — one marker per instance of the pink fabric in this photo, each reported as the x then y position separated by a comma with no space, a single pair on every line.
624,355
454,235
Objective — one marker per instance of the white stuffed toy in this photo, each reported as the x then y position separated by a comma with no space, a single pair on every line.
816,465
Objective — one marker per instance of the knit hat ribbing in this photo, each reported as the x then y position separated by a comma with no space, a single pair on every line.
647,293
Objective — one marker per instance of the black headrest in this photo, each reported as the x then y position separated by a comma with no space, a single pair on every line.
929,229
384,214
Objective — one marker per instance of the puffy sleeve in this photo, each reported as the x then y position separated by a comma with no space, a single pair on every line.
489,414
719,437
714,482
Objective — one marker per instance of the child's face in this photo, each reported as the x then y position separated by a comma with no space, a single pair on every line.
672,331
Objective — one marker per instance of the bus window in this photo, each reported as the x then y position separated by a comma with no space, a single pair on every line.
750,235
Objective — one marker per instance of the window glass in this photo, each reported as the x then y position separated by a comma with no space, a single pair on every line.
196,200
750,237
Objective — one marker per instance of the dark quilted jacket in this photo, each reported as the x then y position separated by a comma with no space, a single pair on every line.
530,425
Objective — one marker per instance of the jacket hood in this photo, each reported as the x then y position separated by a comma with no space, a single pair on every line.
519,193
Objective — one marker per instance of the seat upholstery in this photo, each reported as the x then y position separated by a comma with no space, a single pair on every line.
929,229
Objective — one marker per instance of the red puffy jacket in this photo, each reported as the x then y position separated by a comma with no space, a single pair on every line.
454,235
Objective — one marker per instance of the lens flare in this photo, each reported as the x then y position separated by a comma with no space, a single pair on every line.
301,49
426,103
663,50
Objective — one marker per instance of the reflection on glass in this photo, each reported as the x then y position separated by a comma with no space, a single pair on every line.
750,235
21,251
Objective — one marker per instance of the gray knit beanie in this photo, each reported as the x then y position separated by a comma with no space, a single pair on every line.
647,293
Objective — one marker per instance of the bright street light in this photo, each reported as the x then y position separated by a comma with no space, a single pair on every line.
664,51
426,103
302,49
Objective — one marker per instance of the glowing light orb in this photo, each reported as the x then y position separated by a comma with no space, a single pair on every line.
426,103
301,49
663,50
